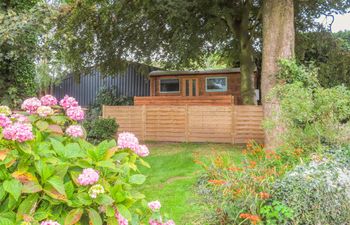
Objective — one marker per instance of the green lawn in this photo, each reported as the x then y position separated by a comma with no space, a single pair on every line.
173,175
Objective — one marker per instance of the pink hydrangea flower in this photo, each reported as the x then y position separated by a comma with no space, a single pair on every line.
44,111
48,100
19,118
18,132
75,131
169,222
75,113
49,222
30,105
88,176
128,140
154,222
4,121
142,151
154,206
121,219
68,102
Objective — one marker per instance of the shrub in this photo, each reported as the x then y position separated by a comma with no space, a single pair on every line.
318,192
100,129
107,96
50,174
320,120
237,193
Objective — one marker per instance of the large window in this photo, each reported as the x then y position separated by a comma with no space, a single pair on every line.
169,85
216,84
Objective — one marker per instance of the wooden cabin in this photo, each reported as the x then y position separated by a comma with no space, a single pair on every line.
196,83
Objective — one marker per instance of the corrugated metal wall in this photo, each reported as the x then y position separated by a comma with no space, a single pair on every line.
130,83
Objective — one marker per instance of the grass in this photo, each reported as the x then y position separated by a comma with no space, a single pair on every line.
173,174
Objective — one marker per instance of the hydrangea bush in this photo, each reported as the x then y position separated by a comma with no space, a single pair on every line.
51,175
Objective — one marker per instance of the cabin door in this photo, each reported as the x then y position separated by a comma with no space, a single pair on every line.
190,87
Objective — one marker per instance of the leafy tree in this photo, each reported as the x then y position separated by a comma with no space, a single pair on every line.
21,22
330,52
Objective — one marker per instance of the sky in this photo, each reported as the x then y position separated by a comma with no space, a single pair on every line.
341,22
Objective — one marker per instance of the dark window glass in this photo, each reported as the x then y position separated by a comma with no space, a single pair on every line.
187,87
194,87
216,84
169,85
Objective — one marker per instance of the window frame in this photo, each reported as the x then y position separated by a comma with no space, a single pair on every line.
216,90
168,92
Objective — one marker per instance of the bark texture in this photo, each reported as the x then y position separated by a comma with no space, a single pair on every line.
278,43
247,64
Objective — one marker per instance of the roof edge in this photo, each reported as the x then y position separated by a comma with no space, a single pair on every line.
194,72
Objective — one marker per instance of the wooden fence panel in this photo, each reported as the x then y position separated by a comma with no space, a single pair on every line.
248,125
223,124
210,124
165,123
129,118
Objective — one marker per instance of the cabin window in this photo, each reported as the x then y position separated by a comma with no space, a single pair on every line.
169,85
216,84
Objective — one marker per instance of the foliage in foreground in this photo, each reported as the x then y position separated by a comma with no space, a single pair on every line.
241,193
50,174
318,192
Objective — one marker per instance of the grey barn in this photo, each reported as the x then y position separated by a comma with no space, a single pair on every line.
129,83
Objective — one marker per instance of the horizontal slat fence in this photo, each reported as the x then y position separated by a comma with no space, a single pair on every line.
187,123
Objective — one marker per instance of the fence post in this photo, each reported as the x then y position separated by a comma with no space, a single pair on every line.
186,123
103,111
144,122
233,121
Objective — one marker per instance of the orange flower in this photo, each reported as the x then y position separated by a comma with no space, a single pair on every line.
264,195
252,164
298,151
234,169
254,219
217,182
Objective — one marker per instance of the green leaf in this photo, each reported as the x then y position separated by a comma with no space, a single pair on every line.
107,164
73,216
84,198
58,119
44,170
137,179
103,199
42,125
144,163
58,147
57,183
27,206
25,147
13,187
69,187
73,150
94,217
124,211
6,221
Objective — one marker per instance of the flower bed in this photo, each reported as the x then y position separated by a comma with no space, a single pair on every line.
51,175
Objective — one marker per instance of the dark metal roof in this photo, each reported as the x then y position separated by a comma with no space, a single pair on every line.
195,72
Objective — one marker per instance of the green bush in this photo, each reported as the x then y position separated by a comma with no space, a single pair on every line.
314,118
107,96
49,172
100,129
319,192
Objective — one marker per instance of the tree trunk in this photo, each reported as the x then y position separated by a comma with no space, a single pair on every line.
278,43
247,64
